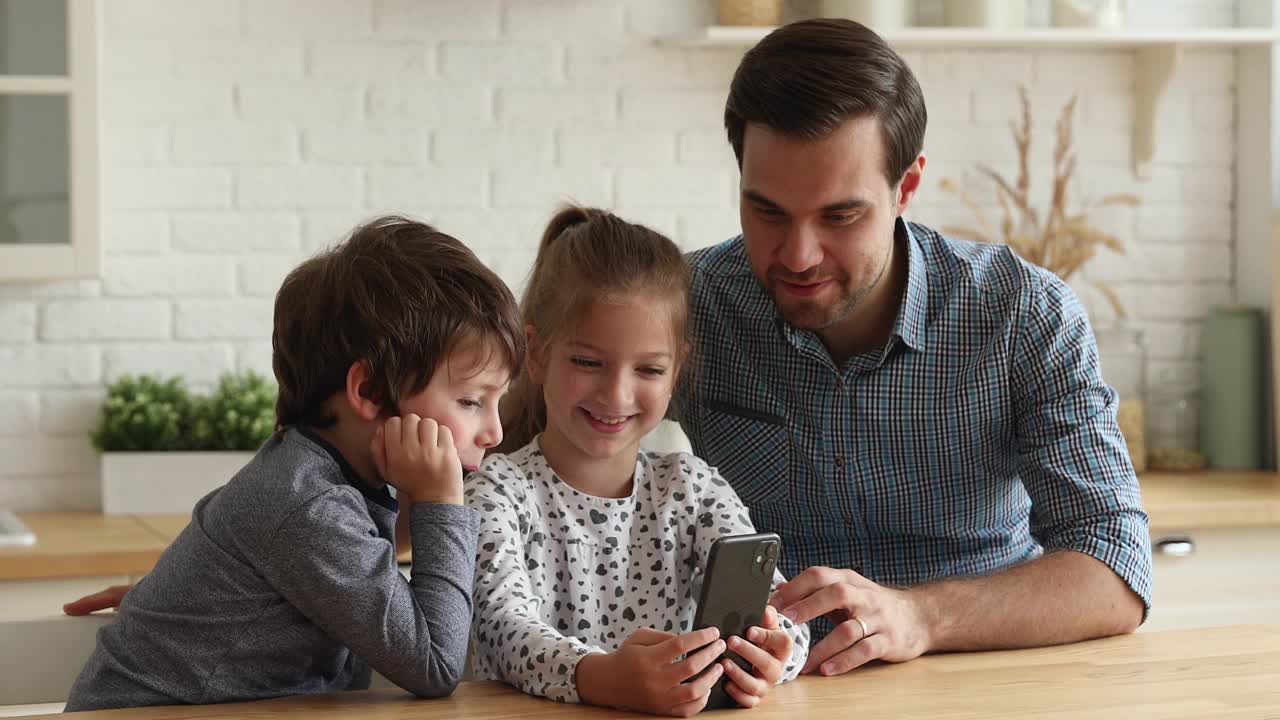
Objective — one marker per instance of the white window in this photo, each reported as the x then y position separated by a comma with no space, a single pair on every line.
49,139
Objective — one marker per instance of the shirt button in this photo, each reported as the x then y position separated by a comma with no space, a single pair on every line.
839,461
848,519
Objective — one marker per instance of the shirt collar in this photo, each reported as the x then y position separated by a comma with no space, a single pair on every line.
379,495
910,325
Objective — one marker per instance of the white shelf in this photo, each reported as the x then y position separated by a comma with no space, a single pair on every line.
724,36
35,85
1159,52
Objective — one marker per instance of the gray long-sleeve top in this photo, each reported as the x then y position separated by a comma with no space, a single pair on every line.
286,582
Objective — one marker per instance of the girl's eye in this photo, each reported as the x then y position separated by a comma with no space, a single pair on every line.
470,404
585,362
654,371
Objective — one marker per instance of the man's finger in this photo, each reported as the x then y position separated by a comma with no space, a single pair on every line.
844,636
873,648
687,643
803,585
837,596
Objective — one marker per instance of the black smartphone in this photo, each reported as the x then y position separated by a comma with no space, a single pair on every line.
735,592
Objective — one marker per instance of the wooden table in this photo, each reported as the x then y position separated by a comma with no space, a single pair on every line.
1212,499
1221,673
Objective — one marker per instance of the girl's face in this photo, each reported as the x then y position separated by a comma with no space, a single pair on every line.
608,382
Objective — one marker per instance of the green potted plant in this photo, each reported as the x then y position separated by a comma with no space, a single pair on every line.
164,447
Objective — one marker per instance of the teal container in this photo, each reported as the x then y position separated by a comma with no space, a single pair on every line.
1232,404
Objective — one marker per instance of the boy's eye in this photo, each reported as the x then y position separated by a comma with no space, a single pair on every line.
842,219
654,371
585,362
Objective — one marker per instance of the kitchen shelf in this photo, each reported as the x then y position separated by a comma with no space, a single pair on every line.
726,36
1158,54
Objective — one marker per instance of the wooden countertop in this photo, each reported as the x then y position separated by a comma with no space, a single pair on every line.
1211,499
1230,672
84,544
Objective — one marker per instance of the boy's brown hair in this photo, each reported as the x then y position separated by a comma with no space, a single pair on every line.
396,293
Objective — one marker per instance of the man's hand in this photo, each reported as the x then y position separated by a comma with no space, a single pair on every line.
647,674
895,627
101,600
416,455
767,648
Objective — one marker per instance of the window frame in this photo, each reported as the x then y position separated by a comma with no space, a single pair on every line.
81,255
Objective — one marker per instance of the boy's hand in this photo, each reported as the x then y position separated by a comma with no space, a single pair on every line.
647,674
416,455
101,600
768,651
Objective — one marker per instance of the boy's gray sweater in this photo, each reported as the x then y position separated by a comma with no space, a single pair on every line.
286,582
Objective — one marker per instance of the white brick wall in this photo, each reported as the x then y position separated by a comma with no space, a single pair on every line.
239,137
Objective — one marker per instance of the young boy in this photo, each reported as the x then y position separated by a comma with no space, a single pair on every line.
391,352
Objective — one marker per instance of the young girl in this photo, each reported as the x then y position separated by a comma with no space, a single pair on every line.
592,552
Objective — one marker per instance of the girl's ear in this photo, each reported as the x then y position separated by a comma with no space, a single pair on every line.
535,361
358,393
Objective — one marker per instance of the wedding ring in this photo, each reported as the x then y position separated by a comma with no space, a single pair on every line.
864,629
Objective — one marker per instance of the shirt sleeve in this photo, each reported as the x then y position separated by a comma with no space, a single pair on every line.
328,560
1073,460
513,643
722,513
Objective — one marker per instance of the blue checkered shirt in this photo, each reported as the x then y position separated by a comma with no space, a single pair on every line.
981,434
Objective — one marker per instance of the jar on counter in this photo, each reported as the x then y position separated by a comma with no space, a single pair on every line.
1173,430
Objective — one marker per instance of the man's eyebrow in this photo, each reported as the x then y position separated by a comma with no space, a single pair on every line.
843,205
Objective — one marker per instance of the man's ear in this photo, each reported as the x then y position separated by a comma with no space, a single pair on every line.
909,185
534,360
358,392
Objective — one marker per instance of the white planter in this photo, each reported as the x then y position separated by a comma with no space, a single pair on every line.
164,482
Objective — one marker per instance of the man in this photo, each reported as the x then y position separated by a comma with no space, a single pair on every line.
921,420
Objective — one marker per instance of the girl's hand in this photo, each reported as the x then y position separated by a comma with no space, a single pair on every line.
768,651
647,673
416,455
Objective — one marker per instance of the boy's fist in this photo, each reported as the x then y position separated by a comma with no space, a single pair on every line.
416,455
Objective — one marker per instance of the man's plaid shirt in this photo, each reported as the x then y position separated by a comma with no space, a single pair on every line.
979,436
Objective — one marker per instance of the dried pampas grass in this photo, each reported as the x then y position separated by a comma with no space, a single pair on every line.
1058,242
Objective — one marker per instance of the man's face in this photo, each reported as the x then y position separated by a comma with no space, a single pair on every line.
818,218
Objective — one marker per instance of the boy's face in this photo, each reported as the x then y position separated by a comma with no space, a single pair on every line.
609,383
463,396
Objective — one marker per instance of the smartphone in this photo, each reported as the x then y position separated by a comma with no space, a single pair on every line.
735,592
